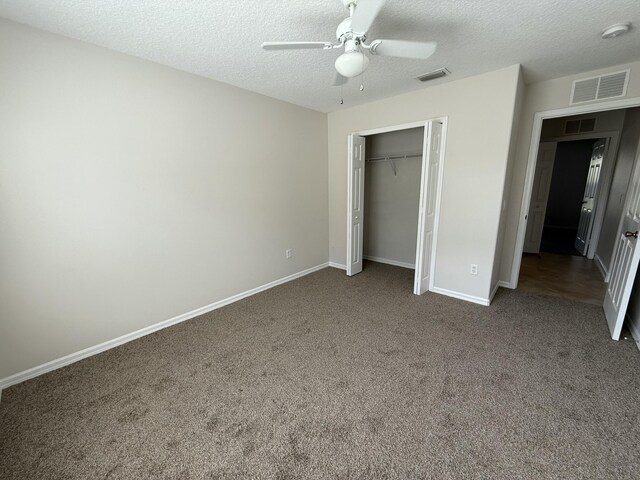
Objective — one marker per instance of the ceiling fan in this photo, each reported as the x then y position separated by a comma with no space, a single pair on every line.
351,34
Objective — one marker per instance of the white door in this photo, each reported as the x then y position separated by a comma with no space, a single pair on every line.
432,151
587,211
539,196
355,203
626,257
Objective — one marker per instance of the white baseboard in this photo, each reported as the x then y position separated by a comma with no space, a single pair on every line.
506,284
390,262
634,328
501,283
461,296
493,292
337,265
600,266
88,352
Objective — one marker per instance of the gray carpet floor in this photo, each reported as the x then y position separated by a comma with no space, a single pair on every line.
336,377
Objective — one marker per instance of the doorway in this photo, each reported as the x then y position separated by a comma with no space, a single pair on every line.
570,179
423,214
391,196
603,266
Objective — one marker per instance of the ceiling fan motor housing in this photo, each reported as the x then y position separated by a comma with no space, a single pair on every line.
344,33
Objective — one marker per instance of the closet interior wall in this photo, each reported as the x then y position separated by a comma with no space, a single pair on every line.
391,196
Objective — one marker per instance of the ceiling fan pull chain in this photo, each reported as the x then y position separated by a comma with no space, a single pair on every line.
341,93
362,75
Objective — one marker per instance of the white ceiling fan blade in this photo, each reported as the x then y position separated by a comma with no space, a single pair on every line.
403,48
364,14
339,80
295,45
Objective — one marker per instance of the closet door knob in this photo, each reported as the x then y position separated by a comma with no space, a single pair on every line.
631,234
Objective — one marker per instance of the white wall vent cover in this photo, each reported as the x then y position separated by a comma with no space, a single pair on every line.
611,85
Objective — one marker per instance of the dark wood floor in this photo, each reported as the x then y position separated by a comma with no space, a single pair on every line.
567,276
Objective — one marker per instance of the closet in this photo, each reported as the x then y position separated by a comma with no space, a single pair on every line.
393,164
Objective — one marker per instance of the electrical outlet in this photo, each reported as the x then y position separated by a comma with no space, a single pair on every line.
288,253
474,269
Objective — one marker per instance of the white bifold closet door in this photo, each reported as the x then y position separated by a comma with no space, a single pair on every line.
433,156
355,204
432,151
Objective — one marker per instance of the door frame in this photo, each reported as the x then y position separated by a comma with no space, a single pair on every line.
406,126
536,132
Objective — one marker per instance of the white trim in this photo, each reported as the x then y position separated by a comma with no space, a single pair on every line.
424,124
389,262
337,265
531,165
436,220
461,296
393,128
634,328
600,266
501,283
349,259
422,200
493,292
88,352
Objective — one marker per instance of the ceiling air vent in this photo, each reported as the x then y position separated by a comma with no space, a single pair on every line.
611,85
425,77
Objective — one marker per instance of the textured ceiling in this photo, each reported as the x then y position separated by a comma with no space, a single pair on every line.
221,39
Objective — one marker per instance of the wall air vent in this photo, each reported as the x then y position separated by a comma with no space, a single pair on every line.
441,72
587,125
614,85
611,85
572,127
584,125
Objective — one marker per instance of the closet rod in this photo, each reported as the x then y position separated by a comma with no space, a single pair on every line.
394,157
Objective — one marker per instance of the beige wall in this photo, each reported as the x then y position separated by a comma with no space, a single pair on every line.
131,193
480,115
517,113
391,200
539,97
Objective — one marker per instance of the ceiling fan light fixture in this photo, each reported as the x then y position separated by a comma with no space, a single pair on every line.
351,64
